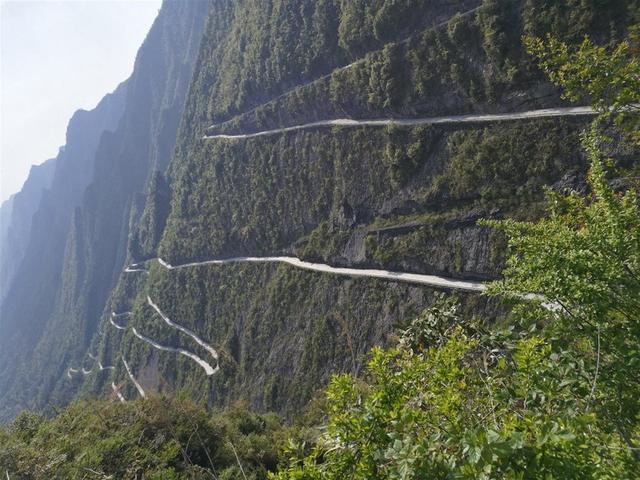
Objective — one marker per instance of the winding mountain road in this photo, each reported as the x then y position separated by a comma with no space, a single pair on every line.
116,390
132,269
115,315
102,367
135,382
184,330
417,278
441,120
206,366
119,327
413,278
95,359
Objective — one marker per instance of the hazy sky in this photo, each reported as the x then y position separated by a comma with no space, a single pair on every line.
57,57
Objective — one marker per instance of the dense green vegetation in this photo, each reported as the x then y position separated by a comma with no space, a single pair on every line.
551,396
359,187
231,207
250,313
474,63
273,45
516,391
145,238
159,438
607,77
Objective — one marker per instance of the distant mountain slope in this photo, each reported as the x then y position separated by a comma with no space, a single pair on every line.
51,205
6,210
60,289
37,252
15,222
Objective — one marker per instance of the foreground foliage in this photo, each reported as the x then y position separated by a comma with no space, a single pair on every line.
609,78
157,438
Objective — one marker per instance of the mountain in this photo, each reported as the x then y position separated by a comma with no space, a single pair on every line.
34,253
167,183
6,210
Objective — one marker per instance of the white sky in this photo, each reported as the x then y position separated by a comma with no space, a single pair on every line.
57,57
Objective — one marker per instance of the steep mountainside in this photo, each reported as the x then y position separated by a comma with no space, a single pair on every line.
49,318
36,254
401,198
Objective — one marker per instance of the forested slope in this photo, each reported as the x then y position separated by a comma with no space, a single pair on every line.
401,198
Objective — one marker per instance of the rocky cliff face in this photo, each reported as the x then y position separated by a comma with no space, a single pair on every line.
41,221
6,211
401,198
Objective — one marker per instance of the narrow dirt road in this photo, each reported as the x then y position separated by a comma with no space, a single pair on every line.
418,278
184,330
135,382
447,119
206,366
116,390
